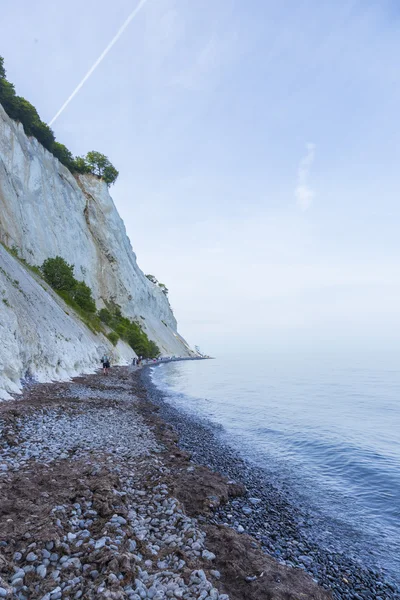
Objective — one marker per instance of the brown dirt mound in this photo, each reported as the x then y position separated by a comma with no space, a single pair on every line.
248,574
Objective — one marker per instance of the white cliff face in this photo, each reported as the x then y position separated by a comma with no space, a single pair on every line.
40,335
45,211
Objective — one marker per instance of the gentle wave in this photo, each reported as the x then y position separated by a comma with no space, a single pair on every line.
333,436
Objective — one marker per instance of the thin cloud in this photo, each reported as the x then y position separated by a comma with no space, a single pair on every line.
303,192
100,59
206,65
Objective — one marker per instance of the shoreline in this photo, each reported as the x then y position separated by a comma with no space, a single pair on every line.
266,513
97,501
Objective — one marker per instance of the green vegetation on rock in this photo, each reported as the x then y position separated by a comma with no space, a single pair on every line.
162,286
77,294
19,109
113,337
60,276
129,331
100,165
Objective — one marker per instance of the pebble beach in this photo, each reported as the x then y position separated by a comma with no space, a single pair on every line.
102,497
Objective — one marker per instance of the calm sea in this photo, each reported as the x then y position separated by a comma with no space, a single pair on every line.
326,432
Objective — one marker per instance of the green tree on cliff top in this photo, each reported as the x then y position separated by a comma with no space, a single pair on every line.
21,110
101,166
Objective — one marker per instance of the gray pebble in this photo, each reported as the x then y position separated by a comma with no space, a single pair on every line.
31,557
100,543
41,571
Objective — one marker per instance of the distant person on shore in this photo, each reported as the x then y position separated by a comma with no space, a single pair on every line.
135,361
105,359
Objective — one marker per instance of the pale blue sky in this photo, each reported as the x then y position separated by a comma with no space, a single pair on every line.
258,146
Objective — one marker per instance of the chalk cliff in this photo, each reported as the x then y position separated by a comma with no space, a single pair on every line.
45,211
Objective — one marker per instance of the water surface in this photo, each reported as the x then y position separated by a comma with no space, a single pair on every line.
329,433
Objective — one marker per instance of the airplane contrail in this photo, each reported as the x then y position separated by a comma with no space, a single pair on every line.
102,55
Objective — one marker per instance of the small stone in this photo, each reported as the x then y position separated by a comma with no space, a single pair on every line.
216,574
117,519
240,529
17,557
247,510
100,543
41,571
3,593
31,557
306,560
207,555
75,562
196,546
29,568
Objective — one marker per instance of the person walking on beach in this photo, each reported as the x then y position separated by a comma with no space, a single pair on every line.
106,363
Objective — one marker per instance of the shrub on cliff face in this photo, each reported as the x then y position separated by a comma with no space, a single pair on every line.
162,286
82,294
128,330
105,316
60,275
113,337
152,279
64,155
